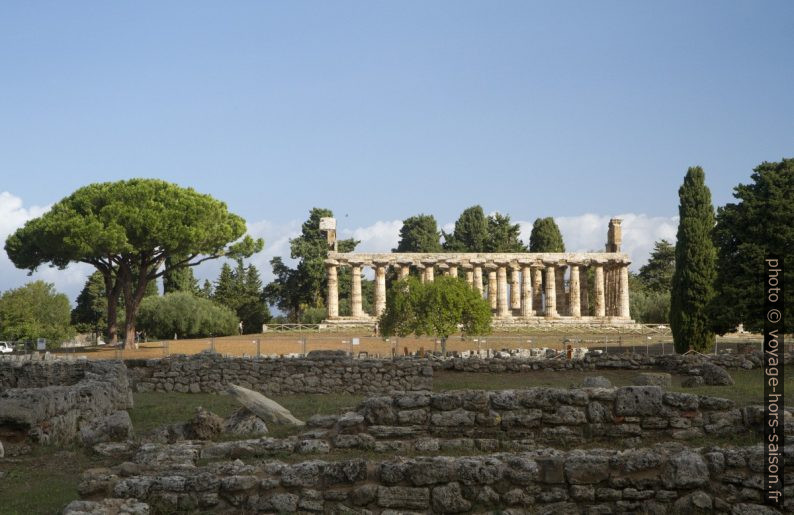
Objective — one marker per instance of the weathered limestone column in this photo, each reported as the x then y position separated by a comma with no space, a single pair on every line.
584,292
526,291
551,294
575,306
453,268
562,300
469,274
491,284
380,288
477,277
356,309
515,287
624,292
502,309
422,274
537,289
332,302
429,270
600,306
444,269
405,270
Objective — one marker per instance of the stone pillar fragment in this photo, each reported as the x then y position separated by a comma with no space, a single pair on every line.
332,303
515,288
356,308
405,270
453,270
551,294
502,309
429,271
380,289
575,306
470,276
537,289
526,291
600,306
624,292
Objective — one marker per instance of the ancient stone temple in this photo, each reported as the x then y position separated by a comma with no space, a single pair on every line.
523,288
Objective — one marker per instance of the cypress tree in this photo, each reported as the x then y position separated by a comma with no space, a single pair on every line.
695,266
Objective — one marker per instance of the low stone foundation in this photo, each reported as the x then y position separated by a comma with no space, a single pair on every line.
664,479
208,372
64,401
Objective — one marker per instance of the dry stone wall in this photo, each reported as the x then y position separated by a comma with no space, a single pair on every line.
667,478
208,372
64,401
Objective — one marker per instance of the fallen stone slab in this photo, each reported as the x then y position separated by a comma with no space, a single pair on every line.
264,408
661,379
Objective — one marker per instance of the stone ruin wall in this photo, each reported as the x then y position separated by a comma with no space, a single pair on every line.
660,480
63,401
211,373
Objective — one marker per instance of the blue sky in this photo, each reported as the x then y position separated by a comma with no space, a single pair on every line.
381,110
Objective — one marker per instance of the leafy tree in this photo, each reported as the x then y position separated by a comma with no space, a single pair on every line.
185,315
178,278
127,229
419,234
90,313
295,289
695,266
546,236
240,289
34,311
648,306
470,233
760,224
439,308
657,273
503,236
206,291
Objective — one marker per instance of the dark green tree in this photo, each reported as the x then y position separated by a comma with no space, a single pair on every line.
205,292
419,234
647,305
470,233
34,311
185,315
657,273
178,278
695,266
295,289
439,308
546,236
503,236
126,230
760,224
240,289
90,312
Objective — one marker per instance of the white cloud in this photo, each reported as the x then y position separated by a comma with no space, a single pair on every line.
13,215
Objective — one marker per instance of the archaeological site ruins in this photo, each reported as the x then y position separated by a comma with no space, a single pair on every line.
523,288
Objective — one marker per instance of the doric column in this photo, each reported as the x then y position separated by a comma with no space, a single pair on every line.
624,292
453,268
469,275
477,277
584,295
551,293
598,283
444,269
575,306
537,289
491,268
526,291
405,269
502,309
355,295
562,300
515,287
422,275
429,270
332,302
380,288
